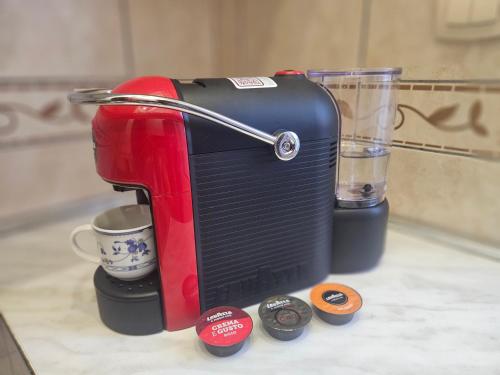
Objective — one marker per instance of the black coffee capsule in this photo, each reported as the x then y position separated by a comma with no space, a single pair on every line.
335,303
224,330
284,317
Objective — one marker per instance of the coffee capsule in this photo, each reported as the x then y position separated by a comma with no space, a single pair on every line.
284,317
335,303
224,330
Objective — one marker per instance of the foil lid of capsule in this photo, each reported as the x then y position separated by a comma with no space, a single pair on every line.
285,313
224,326
336,299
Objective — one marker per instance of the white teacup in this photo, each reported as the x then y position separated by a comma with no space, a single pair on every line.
125,241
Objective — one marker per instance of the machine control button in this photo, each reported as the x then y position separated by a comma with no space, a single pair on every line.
289,72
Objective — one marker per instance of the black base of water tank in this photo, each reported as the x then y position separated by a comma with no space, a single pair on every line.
129,307
358,237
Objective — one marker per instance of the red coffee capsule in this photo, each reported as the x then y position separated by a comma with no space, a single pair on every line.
224,329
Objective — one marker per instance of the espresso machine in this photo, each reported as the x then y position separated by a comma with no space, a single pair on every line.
240,175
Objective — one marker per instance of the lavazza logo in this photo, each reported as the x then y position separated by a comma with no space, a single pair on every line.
219,315
334,296
277,304
265,279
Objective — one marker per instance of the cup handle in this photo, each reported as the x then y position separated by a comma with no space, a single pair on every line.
79,250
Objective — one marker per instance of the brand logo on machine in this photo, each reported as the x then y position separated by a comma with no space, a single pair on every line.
252,82
266,279
221,314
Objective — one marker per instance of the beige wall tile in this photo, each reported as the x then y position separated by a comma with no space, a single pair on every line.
175,38
49,48
441,185
227,38
46,155
231,39
61,38
283,34
46,175
457,194
402,33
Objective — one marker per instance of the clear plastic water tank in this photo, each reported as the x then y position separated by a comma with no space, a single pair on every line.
367,100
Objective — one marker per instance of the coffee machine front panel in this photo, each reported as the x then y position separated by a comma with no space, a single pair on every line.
263,226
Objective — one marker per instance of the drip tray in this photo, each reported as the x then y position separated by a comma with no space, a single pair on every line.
129,307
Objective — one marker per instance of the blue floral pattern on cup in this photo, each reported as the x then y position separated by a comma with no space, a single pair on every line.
131,248
129,253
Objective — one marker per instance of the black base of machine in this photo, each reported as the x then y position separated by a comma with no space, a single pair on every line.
358,237
129,307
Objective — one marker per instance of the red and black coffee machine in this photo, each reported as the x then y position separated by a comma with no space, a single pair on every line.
240,177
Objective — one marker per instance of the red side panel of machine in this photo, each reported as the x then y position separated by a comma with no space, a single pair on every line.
147,146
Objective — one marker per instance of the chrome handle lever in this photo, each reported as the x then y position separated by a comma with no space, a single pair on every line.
286,143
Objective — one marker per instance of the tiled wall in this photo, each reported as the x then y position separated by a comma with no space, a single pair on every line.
265,36
50,47
445,167
405,33
176,38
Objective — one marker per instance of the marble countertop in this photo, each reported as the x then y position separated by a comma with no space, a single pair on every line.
428,309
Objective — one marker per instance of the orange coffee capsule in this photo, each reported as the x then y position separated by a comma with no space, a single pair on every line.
335,303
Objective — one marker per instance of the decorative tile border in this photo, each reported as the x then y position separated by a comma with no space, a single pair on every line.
48,118
479,154
472,107
450,150
459,86
53,113
57,111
